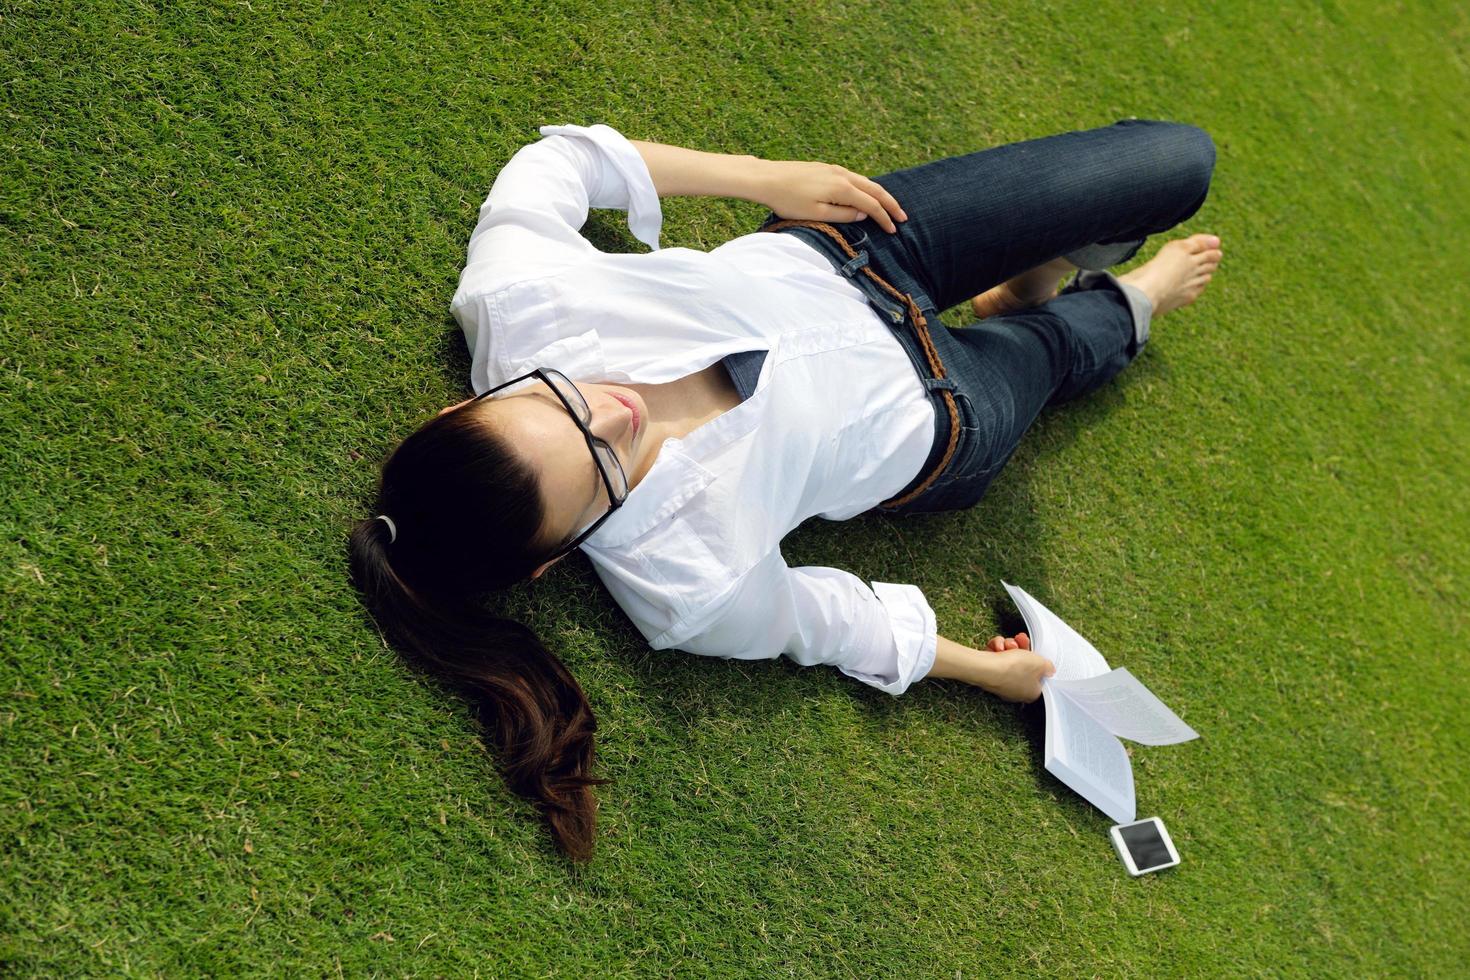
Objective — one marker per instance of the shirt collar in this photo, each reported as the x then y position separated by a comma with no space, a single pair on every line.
677,476
673,481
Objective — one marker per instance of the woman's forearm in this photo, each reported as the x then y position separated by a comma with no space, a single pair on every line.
955,661
1014,674
680,172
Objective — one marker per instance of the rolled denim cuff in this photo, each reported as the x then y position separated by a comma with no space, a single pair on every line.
1140,307
1138,302
1098,257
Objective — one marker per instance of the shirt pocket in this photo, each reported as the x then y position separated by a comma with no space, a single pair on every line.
530,328
689,567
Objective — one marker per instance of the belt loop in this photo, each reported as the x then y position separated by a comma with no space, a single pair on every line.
855,263
972,421
968,419
877,300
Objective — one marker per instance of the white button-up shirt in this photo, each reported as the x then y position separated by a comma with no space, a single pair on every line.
838,423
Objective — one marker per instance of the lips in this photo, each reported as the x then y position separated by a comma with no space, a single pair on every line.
637,421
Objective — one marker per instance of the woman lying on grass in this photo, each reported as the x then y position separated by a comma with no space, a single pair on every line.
674,414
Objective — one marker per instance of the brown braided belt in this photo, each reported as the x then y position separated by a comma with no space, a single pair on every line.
921,330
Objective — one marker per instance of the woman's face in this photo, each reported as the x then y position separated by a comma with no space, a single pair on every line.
534,420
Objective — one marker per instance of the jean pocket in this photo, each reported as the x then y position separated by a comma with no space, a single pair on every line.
984,420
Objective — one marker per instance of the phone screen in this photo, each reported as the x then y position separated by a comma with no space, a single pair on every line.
1145,845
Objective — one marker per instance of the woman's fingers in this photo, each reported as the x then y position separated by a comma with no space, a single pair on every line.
828,192
1024,641
997,644
869,205
888,201
837,212
1011,645
873,202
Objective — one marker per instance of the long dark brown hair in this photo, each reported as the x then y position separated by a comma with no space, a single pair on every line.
467,513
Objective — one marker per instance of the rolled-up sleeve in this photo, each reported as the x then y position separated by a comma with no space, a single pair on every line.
530,223
883,635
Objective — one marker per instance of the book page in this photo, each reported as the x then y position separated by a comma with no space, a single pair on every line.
1120,703
1074,657
1082,754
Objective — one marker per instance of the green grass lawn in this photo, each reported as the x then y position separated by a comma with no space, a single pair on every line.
229,234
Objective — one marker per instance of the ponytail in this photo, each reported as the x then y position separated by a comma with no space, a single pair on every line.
531,709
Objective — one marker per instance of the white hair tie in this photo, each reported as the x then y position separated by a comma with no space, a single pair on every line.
392,528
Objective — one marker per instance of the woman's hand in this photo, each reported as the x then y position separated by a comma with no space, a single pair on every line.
1006,668
826,192
1017,671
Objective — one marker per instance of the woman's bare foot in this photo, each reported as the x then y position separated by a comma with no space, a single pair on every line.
1031,288
1178,273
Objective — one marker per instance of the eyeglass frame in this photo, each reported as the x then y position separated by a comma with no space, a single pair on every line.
544,374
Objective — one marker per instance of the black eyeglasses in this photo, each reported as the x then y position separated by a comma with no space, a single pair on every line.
607,461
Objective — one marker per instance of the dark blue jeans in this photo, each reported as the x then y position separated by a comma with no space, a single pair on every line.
979,219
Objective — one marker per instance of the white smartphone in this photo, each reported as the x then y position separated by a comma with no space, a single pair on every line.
1144,846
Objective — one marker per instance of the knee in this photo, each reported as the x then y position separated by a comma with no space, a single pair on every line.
1191,153
1188,149
1195,152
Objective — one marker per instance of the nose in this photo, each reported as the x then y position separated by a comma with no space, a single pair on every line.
611,420
609,417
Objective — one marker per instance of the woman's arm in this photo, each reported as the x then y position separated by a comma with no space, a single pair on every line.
790,188
680,172
1012,672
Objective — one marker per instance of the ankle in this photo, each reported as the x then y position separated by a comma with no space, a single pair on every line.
1041,280
1147,285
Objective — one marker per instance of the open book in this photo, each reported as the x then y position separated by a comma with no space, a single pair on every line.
1088,708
